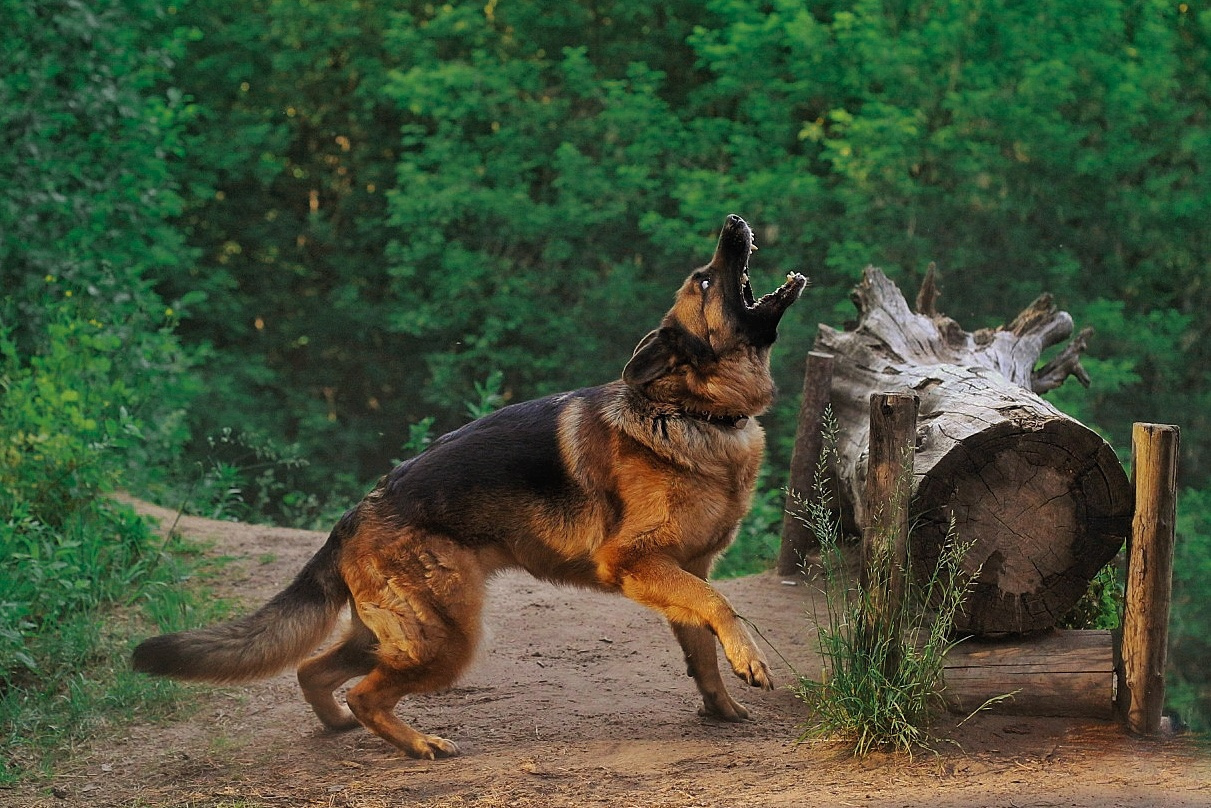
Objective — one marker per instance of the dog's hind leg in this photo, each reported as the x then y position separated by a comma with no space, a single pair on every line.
321,675
422,598
373,701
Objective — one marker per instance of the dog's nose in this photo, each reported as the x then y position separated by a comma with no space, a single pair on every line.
733,219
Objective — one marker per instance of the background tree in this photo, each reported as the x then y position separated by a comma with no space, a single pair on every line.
87,194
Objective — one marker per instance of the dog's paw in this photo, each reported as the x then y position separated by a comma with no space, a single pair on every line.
724,708
755,671
430,747
340,721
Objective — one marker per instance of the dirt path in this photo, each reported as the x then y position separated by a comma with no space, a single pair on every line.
580,699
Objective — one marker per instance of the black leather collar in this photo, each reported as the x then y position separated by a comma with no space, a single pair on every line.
729,421
660,412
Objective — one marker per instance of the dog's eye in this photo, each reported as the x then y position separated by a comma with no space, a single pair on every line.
705,284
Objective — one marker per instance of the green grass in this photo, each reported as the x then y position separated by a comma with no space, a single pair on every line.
82,685
883,673
883,666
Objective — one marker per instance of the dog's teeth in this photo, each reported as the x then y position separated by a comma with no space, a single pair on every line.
752,248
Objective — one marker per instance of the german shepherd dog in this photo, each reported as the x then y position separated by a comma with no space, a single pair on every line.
633,487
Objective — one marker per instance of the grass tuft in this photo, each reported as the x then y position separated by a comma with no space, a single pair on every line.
883,667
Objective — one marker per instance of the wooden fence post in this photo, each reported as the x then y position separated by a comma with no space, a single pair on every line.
797,539
1149,576
893,428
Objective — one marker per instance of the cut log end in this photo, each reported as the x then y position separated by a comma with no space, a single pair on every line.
1040,514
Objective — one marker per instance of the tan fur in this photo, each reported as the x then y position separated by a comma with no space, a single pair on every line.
649,488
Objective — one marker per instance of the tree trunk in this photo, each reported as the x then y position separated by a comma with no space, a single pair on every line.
1042,498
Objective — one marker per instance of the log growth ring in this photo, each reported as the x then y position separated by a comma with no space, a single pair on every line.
1041,513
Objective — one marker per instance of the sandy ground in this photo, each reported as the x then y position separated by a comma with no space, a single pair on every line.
581,699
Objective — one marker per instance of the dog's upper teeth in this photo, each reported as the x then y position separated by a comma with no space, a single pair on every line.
752,248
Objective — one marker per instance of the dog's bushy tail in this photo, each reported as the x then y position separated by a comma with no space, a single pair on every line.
279,634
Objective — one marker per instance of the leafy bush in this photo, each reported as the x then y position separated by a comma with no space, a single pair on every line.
64,421
247,477
69,554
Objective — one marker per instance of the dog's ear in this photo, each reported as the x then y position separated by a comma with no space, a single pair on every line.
654,356
664,349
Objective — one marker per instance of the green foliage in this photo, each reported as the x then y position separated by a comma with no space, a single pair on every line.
1189,690
92,378
246,477
1101,607
527,219
71,557
66,418
87,135
386,200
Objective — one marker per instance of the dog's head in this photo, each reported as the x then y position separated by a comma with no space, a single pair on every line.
711,352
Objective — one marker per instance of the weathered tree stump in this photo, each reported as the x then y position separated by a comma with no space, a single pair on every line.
1042,497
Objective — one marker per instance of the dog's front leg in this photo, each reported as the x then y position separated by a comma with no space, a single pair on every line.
689,602
698,645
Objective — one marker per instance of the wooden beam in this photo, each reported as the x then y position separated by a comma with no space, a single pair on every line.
1154,449
893,429
1059,673
798,543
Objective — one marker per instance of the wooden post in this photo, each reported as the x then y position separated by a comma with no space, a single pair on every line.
1149,576
797,539
893,428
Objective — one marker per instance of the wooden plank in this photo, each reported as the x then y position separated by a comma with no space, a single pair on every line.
1069,695
1057,650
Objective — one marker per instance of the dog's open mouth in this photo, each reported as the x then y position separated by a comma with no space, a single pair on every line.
736,245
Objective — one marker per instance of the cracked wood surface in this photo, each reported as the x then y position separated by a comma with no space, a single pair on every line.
1044,499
